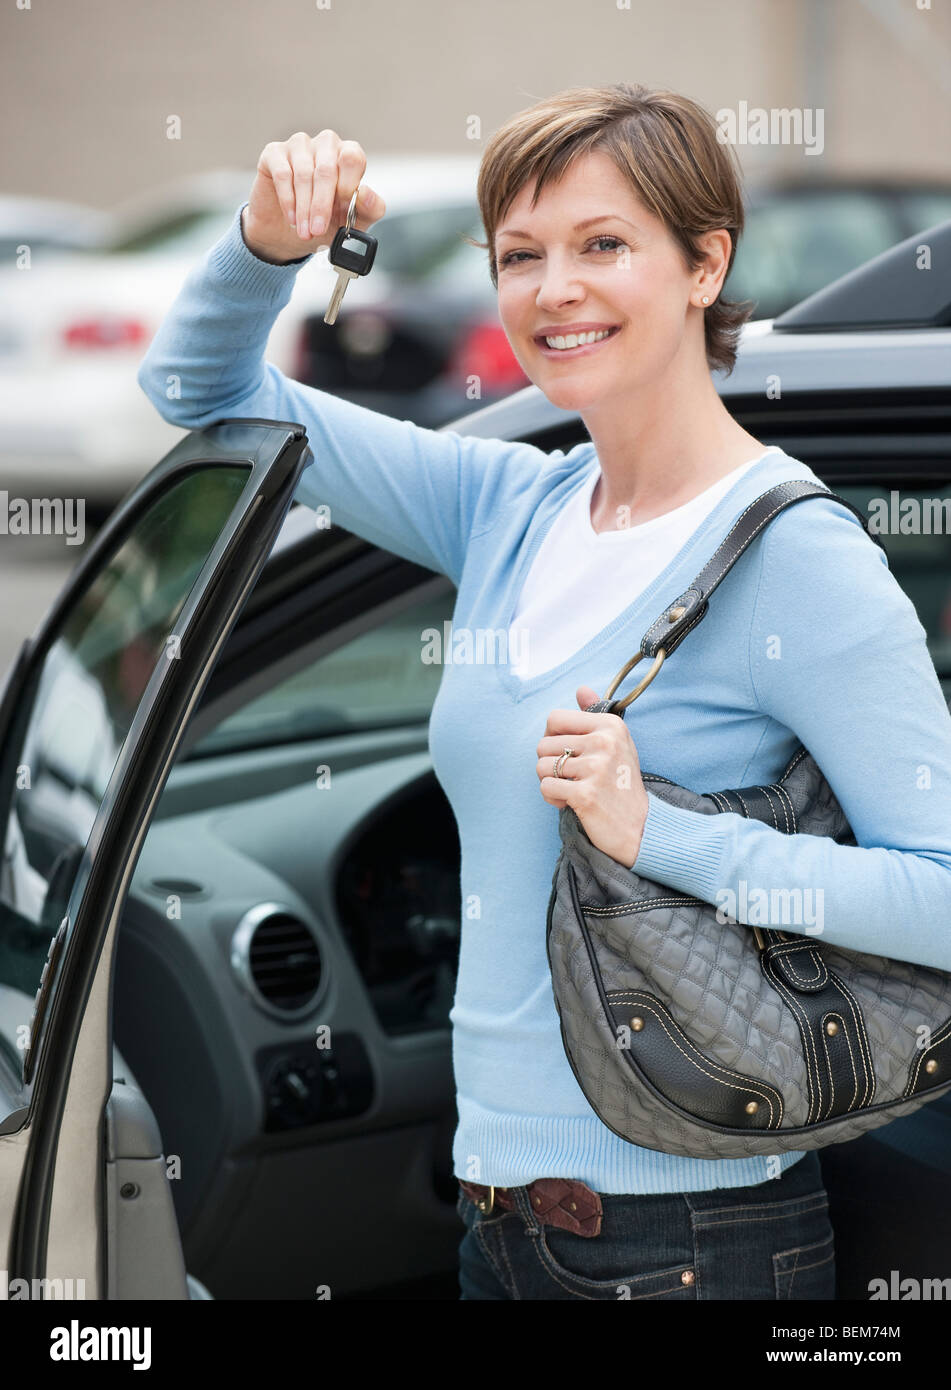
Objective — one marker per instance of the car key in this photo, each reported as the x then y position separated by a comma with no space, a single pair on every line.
351,255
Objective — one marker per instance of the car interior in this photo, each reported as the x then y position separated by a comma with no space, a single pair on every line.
287,952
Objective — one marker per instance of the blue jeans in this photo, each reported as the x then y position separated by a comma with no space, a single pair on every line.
771,1240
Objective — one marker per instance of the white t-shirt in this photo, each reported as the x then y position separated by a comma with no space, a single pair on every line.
581,579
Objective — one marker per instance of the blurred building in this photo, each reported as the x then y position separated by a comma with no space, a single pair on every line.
92,91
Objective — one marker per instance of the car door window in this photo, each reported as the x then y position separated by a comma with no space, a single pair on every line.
925,210
796,244
378,679
87,690
419,241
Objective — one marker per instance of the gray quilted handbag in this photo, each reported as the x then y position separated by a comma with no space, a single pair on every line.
713,1039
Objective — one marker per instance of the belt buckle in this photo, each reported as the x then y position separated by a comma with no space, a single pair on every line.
486,1204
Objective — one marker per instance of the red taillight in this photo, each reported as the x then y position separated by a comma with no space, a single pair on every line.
106,331
486,353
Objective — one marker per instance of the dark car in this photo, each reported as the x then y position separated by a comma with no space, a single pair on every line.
237,1062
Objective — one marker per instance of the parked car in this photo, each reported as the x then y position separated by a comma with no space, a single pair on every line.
49,226
73,420
170,1124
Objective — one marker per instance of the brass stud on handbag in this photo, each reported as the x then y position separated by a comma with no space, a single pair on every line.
809,1045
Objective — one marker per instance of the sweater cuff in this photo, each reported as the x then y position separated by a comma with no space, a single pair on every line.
681,849
231,258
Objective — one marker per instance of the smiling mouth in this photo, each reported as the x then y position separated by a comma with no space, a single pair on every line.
575,344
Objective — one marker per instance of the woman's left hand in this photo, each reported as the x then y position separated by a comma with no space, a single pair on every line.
601,782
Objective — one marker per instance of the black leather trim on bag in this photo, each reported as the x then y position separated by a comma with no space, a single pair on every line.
823,1043
839,1068
661,1050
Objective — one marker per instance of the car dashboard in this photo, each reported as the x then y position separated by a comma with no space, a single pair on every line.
285,968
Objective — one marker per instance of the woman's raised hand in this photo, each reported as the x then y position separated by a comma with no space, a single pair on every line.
302,193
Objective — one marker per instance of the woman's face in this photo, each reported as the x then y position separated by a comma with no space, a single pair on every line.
589,257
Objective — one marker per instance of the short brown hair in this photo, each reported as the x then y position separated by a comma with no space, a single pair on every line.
668,147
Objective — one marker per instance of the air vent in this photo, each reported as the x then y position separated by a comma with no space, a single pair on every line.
277,959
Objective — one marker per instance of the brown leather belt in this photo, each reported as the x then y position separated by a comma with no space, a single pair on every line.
554,1201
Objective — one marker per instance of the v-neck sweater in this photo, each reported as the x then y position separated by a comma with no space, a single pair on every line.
809,639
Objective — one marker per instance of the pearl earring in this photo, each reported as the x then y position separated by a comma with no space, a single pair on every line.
706,299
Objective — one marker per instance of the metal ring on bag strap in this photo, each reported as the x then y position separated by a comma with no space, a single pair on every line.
658,663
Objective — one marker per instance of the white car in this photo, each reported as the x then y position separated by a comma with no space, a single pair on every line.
73,420
49,226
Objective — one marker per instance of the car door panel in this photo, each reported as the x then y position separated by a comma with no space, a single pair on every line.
169,561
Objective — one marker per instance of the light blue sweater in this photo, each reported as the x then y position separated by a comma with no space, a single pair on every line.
810,638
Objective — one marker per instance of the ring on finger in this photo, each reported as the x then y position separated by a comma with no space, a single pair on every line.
559,761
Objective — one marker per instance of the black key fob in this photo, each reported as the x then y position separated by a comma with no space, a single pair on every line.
352,250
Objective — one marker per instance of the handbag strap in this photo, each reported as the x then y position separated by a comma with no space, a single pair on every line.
666,633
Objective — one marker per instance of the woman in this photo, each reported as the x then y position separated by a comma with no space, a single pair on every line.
612,216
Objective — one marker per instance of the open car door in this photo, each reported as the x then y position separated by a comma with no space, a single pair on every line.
91,717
